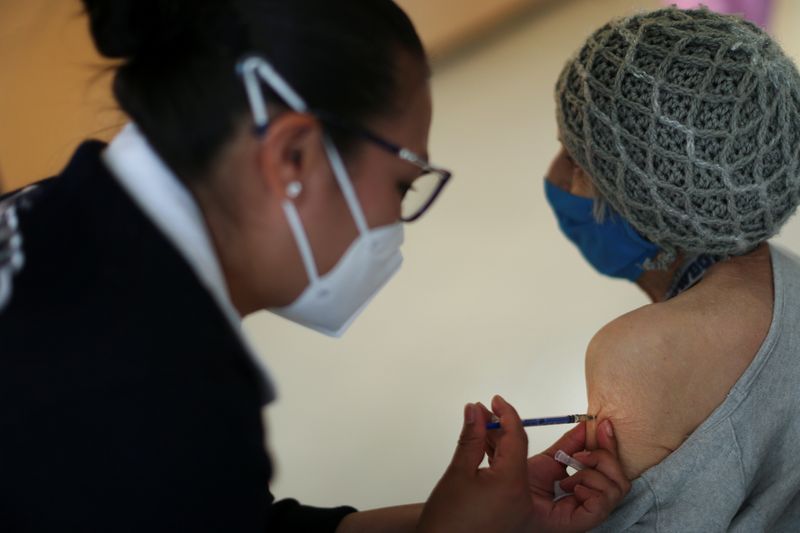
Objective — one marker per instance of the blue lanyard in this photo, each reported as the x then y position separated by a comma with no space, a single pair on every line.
690,274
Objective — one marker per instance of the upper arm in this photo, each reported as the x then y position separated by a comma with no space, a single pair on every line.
626,384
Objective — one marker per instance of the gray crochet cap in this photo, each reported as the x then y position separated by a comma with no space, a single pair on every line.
688,125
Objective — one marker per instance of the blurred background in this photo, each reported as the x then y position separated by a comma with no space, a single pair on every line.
491,299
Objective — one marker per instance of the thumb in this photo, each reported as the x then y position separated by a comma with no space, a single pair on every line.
606,439
470,450
511,452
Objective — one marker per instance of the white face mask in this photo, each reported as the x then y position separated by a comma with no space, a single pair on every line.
329,304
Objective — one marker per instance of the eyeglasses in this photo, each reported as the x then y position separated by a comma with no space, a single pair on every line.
417,198
426,188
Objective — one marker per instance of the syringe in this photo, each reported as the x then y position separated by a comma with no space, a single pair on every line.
550,421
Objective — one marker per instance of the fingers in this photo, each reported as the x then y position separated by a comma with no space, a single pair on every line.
593,507
469,451
606,439
606,458
511,443
487,413
571,442
603,475
598,488
596,496
489,443
592,479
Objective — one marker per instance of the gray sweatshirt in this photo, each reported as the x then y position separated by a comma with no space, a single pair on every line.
739,471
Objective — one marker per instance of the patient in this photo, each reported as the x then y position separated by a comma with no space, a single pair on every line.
680,159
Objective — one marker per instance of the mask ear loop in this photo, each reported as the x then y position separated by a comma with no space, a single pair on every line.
346,186
300,237
251,69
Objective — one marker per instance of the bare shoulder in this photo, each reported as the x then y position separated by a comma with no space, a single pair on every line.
661,370
639,374
627,343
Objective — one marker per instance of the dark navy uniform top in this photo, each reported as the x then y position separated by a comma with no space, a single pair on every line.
127,400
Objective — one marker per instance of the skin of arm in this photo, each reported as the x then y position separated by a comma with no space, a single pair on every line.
658,372
624,386
402,519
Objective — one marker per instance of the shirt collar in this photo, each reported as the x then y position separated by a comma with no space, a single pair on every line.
173,210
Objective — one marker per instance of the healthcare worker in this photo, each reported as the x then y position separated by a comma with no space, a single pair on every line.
276,147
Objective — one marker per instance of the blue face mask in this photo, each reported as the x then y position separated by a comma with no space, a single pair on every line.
613,247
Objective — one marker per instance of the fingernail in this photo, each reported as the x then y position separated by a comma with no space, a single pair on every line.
469,414
580,455
608,428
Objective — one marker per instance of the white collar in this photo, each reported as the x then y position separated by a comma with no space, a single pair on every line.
173,210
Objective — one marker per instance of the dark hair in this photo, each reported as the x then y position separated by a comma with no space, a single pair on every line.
178,80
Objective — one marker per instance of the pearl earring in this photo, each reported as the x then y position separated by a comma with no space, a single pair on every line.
294,189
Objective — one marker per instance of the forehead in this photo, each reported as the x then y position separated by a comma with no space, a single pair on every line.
408,123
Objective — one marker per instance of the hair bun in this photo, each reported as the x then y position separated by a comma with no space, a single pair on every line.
123,28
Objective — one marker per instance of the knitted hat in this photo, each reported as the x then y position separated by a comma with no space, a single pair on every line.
688,125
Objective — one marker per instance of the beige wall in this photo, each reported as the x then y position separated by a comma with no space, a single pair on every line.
491,298
446,24
53,90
